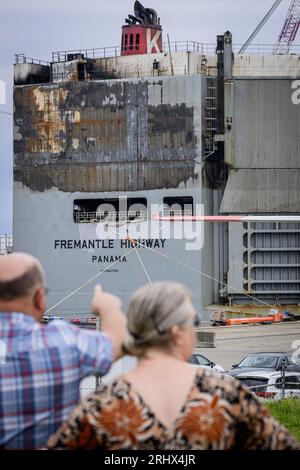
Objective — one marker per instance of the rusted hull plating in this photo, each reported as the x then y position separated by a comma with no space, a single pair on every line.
103,136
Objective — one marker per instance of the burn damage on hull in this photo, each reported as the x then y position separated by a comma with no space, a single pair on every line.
101,136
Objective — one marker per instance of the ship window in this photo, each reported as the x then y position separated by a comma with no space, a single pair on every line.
126,42
102,210
137,41
131,42
178,205
122,46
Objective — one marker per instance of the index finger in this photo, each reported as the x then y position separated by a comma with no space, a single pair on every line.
98,289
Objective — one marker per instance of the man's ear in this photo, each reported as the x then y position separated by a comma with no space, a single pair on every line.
39,300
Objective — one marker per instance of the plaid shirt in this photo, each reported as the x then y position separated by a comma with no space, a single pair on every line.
40,372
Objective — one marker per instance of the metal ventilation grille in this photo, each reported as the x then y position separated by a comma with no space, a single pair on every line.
271,255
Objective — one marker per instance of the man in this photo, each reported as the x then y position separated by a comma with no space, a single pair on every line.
41,366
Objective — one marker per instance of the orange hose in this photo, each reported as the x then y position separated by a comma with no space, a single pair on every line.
240,321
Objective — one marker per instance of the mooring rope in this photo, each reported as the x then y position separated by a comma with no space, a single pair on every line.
134,248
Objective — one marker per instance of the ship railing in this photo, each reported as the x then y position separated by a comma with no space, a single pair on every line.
92,53
106,216
115,51
206,48
264,49
22,59
84,217
174,46
189,46
172,213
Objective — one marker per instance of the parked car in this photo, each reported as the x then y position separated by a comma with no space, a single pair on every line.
46,318
268,384
54,317
199,360
75,321
263,360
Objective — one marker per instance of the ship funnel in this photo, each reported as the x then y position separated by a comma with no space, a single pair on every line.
142,33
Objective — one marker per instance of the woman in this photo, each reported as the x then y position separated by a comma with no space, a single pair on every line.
166,403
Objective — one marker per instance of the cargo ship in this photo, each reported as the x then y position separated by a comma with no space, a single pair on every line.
106,138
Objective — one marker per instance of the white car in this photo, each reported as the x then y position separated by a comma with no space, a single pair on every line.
202,361
268,384
47,319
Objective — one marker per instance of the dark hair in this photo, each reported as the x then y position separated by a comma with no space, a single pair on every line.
21,286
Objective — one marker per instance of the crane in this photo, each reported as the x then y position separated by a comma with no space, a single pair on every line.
289,30
261,24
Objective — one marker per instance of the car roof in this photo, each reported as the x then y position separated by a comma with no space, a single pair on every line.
265,373
269,354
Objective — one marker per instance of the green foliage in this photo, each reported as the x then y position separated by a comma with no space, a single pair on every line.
287,412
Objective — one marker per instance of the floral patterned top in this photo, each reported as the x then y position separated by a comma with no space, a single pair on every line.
219,413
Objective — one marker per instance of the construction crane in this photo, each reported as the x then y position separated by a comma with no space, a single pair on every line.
289,30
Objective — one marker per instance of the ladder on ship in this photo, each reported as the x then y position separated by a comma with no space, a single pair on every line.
210,116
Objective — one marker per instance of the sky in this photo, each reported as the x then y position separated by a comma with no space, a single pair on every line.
37,28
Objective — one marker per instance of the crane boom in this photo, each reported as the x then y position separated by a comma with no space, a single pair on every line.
289,30
261,24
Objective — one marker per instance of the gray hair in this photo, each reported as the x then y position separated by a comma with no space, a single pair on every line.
152,311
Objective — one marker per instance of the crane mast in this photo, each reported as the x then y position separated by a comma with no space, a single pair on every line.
289,30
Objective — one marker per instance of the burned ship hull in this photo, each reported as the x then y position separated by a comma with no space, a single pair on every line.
81,145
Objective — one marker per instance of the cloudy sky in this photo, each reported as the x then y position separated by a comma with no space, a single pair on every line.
37,28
